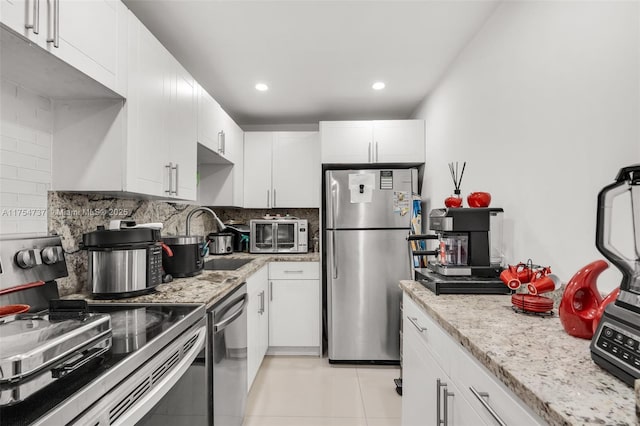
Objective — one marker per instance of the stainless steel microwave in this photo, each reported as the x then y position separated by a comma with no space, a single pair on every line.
279,236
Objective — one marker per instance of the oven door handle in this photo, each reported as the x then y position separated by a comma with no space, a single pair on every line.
225,322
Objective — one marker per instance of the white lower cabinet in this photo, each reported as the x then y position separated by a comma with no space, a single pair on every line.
294,308
439,378
257,322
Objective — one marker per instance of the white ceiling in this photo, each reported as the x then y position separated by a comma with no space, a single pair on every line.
319,58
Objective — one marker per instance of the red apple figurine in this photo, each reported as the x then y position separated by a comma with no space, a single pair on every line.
479,199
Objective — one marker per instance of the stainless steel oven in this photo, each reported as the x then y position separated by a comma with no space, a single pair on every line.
84,364
213,391
279,235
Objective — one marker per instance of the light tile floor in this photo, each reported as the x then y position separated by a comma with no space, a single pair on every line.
308,391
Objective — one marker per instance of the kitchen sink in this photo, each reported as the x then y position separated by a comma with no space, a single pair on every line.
223,264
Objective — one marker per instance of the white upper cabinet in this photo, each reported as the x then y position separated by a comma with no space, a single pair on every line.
161,120
282,170
220,154
367,142
146,146
87,34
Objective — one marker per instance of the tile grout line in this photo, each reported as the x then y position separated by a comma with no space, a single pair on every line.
364,408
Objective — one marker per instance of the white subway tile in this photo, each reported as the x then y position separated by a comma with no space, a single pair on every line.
43,103
44,139
17,159
42,188
9,172
18,187
32,225
24,200
43,164
8,225
34,150
9,200
31,175
10,128
8,143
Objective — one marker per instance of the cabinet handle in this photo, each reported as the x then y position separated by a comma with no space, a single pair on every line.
414,321
221,142
175,168
270,290
439,385
297,271
481,397
445,405
268,194
224,142
377,157
369,153
35,25
54,19
261,310
274,197
170,190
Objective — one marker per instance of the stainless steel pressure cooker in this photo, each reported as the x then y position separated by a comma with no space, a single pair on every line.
123,262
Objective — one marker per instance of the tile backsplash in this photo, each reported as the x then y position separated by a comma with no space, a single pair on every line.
26,133
72,214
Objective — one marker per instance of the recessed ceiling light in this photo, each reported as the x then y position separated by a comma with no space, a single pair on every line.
378,85
262,87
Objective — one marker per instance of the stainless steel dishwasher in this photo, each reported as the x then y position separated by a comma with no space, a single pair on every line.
213,391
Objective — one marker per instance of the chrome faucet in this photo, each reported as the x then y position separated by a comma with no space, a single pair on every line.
221,226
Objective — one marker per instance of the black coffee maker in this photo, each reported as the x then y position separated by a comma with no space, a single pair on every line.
616,343
469,241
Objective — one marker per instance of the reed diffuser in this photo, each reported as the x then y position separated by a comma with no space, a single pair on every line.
455,200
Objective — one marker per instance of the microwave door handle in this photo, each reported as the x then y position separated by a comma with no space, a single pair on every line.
274,237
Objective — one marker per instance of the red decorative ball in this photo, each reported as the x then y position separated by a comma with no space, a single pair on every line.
479,199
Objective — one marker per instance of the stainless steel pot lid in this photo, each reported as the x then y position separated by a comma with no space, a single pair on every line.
181,240
32,342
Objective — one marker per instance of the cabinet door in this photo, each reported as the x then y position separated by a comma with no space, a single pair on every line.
18,14
89,37
182,135
294,313
429,395
207,115
346,141
257,169
257,322
149,89
399,141
296,170
419,375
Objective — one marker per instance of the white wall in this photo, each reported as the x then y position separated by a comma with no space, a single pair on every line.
26,128
543,104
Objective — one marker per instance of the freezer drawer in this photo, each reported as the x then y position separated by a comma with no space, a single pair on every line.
364,268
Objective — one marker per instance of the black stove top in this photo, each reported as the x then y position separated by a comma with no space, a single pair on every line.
134,327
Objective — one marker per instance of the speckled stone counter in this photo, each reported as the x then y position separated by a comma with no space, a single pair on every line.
210,286
546,368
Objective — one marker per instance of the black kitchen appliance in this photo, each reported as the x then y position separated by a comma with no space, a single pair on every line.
616,343
241,236
186,258
123,262
469,243
78,363
468,256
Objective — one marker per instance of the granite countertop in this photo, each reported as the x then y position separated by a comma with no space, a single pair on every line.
210,286
533,356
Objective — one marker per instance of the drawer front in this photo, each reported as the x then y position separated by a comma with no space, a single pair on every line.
470,374
294,270
435,339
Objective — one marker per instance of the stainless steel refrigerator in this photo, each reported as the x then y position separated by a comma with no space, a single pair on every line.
367,218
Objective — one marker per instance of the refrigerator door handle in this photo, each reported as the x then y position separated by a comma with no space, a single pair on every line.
333,234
